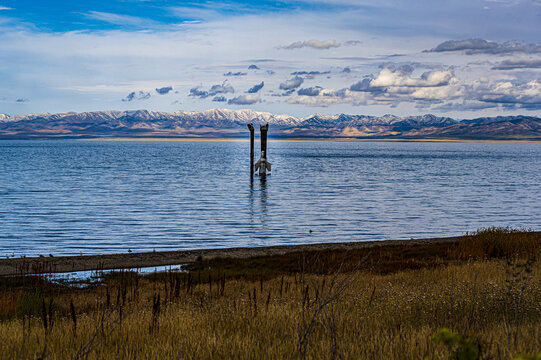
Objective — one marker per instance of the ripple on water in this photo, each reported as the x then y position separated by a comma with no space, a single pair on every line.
67,197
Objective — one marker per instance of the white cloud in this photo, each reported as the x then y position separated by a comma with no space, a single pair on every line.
247,99
394,87
311,91
164,90
117,19
198,13
481,46
328,97
141,95
512,64
292,83
390,78
254,89
399,85
526,95
438,93
94,70
221,89
314,44
5,8
352,43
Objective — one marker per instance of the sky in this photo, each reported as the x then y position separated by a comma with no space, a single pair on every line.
460,58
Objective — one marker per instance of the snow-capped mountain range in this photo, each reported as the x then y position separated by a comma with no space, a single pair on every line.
232,123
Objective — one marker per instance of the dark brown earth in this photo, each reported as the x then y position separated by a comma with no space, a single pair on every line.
18,266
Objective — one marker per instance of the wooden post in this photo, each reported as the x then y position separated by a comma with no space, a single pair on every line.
264,129
262,164
251,127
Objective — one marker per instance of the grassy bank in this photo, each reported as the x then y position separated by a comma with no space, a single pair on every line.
385,302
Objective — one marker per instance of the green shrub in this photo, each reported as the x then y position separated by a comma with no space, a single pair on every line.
528,357
460,347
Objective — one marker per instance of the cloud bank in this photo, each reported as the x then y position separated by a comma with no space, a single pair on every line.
313,44
512,64
481,46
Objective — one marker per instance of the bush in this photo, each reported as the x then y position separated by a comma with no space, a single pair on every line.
497,242
460,347
528,357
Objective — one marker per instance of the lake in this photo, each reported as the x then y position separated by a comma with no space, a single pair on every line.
92,197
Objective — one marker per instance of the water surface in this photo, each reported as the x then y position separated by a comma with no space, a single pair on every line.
72,197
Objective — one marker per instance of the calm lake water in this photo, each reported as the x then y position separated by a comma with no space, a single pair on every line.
68,197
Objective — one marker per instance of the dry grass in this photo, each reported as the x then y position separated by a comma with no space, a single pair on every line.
497,242
233,310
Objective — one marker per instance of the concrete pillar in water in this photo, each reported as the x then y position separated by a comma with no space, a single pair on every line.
251,127
262,164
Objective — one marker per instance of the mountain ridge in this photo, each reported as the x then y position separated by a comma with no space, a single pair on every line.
219,123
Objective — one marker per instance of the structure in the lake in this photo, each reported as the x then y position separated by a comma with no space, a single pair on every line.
262,164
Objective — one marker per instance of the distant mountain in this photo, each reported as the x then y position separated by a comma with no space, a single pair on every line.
220,123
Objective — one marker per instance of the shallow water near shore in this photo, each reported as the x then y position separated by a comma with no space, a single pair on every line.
72,197
84,278
88,277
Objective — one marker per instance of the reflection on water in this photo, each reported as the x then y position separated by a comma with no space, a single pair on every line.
263,197
258,212
87,278
68,197
251,199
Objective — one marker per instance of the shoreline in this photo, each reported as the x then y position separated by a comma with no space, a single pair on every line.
534,141
63,264
202,139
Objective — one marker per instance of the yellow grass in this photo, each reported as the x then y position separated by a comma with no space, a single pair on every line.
384,302
391,316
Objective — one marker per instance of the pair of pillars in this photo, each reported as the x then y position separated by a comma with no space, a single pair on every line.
262,164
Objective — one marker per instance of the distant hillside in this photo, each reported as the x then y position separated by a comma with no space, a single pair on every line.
220,123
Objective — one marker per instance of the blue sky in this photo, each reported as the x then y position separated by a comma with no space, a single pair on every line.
455,58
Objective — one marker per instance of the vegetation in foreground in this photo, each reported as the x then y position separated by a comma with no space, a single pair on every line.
479,298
